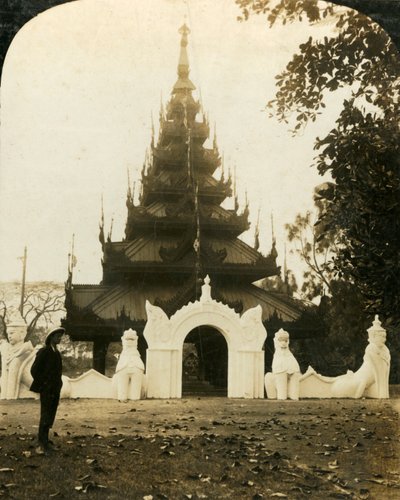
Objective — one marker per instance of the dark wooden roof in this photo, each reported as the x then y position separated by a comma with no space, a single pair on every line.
109,303
221,255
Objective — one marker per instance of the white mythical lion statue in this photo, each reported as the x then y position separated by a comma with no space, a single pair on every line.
129,369
283,382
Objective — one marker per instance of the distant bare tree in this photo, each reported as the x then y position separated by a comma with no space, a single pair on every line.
40,303
39,306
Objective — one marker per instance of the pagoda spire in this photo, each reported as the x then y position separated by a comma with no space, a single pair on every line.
285,268
215,145
101,225
161,114
152,130
235,195
183,83
257,232
274,252
129,192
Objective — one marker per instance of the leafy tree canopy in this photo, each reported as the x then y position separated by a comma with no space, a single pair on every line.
361,153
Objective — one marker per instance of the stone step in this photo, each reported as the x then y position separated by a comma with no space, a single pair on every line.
201,388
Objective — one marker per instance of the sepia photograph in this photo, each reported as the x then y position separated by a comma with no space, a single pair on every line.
200,258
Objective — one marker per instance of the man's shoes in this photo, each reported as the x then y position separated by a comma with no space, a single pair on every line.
41,450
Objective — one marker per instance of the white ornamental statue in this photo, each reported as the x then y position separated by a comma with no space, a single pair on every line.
372,378
129,369
283,382
17,357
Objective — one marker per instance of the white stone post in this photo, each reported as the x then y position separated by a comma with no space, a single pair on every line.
164,371
250,378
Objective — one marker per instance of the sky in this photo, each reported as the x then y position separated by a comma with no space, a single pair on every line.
80,84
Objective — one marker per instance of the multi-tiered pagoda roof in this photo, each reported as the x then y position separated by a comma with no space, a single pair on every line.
176,233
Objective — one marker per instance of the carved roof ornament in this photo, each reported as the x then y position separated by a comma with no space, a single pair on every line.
206,290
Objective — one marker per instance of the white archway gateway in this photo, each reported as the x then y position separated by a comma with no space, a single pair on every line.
245,336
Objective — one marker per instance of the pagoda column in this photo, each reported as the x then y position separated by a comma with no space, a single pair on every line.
100,347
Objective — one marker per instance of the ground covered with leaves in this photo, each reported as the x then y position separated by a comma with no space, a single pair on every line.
204,448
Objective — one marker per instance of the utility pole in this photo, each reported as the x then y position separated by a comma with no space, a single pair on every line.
21,306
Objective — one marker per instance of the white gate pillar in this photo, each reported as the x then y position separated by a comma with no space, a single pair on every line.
163,373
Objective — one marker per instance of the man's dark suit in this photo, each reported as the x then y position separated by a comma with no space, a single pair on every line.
46,372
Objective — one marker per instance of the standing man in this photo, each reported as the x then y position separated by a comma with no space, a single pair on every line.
46,372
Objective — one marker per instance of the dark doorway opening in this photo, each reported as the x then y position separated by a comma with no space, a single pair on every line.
205,363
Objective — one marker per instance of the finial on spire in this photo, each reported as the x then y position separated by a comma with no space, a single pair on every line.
184,31
215,146
183,64
183,83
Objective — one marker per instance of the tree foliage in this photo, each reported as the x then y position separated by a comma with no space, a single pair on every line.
359,56
363,156
341,307
361,153
315,251
285,10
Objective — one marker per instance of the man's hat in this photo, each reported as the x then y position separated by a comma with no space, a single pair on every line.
60,329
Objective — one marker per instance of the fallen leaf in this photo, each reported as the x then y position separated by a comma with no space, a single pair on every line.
84,478
247,483
377,481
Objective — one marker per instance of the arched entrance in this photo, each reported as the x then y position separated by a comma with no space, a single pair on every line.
204,363
244,335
